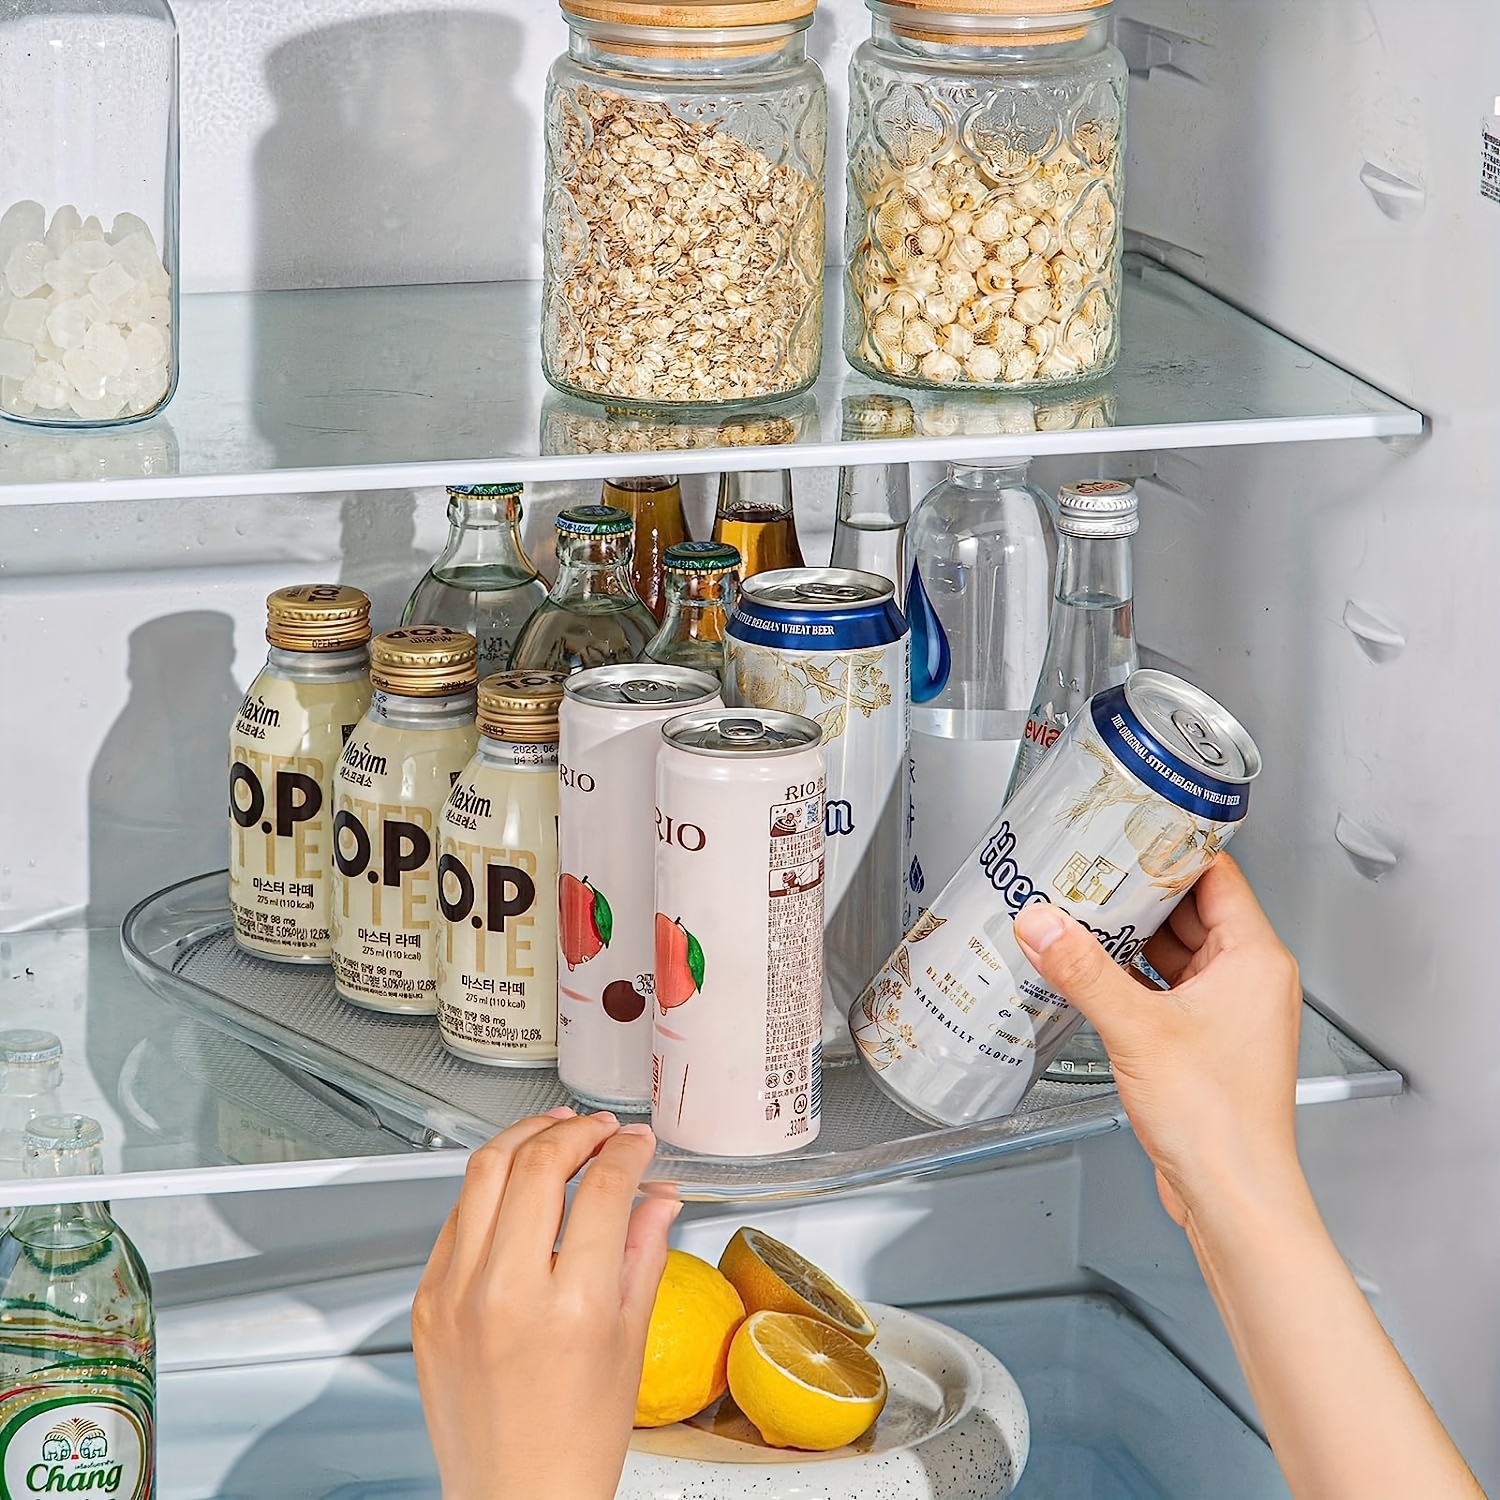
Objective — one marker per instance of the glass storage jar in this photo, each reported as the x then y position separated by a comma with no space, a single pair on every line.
986,150
88,210
683,249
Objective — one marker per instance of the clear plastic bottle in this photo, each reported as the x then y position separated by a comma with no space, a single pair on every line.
78,1360
754,516
702,583
1091,644
483,582
31,1065
979,549
593,615
869,533
654,503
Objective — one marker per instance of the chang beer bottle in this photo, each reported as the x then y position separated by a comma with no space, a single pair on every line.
283,748
77,1337
395,775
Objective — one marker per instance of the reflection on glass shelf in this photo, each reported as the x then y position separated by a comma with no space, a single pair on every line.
373,387
172,1094
180,944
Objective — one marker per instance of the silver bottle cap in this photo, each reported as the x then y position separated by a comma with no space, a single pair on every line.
62,1146
27,1048
1098,508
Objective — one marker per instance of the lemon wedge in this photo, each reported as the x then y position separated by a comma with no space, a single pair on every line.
770,1275
687,1344
802,1382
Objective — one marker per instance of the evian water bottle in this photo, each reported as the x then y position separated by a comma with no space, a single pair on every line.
1144,788
976,600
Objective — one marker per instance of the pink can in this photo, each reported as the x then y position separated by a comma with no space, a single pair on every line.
737,1068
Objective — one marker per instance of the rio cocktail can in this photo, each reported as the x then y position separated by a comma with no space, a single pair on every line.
737,1061
830,644
610,727
1147,783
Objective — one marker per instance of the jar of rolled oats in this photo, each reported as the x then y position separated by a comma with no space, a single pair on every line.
683,250
986,148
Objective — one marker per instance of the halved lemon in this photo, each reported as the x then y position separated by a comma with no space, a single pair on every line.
802,1382
770,1275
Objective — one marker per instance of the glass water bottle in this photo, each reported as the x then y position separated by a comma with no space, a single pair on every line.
88,210
979,552
754,516
702,580
483,582
654,503
31,1064
78,1357
1091,643
874,505
593,615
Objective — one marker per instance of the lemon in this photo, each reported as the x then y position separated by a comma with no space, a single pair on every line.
687,1344
768,1274
802,1382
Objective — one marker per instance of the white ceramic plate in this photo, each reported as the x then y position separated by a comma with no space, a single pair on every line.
954,1428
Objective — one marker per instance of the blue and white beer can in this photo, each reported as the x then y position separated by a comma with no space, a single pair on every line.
831,644
1129,807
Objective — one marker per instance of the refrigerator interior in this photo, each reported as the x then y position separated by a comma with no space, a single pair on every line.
1318,166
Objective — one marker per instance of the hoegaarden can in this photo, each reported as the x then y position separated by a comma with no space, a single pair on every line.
737,1062
1145,786
830,643
610,726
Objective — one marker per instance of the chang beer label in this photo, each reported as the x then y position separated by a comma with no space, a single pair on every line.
497,883
68,1444
389,792
283,747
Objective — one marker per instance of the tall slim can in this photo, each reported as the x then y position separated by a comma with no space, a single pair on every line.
737,1065
830,643
609,729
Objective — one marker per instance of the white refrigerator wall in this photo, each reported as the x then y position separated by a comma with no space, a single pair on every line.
1318,164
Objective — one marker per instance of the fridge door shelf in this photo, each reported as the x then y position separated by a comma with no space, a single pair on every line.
297,392
180,943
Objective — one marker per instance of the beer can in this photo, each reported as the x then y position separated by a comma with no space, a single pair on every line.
737,1061
609,730
1142,790
830,644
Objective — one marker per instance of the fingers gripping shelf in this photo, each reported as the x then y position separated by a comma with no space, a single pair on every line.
179,942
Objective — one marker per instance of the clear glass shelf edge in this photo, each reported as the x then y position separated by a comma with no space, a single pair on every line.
178,943
386,387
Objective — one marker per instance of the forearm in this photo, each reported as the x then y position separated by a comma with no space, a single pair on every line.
1341,1412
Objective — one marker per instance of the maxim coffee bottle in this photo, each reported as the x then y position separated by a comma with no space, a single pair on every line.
284,746
396,773
497,880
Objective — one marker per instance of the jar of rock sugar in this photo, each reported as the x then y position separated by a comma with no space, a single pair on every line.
88,210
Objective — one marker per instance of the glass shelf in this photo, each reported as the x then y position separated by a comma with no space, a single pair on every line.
383,387
179,942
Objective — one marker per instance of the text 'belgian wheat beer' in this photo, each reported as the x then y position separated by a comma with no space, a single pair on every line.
830,643
1147,783
610,723
392,781
737,1064
284,744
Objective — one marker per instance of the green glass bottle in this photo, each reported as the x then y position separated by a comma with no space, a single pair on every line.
77,1337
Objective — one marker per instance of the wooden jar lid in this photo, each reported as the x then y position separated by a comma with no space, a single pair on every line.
1039,13
690,15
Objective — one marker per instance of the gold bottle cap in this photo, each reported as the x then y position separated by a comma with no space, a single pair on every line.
424,661
521,706
318,617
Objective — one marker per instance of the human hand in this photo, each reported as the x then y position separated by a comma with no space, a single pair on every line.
529,1359
1207,1070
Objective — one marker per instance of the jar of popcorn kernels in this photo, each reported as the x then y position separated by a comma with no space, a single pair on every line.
88,210
683,241
986,149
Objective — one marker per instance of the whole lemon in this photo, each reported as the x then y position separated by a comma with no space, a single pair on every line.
687,1345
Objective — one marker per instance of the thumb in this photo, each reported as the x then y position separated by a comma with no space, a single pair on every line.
1072,962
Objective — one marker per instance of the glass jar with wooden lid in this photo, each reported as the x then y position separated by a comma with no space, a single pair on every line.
683,249
986,149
